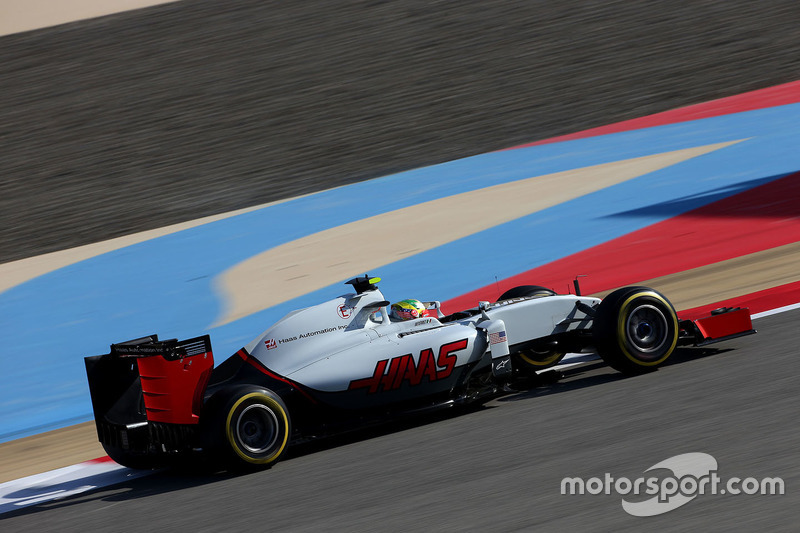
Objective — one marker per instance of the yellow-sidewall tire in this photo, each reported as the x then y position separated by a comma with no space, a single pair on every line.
257,427
635,329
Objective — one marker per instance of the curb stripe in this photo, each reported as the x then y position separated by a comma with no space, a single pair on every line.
788,93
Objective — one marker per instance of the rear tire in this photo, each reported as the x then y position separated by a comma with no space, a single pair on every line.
635,330
256,427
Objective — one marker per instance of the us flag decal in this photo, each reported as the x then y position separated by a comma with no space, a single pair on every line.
495,338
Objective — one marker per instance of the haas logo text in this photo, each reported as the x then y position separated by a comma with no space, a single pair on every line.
404,369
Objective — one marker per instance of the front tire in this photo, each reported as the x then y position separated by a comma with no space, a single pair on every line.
635,330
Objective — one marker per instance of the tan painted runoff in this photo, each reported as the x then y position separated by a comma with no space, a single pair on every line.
17,272
48,451
25,15
728,279
316,261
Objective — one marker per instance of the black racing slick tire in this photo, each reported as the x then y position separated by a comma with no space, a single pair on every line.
530,360
255,427
525,291
635,329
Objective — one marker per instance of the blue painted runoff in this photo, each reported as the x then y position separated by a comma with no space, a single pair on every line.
165,285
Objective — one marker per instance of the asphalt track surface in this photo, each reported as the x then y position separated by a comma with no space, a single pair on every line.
500,468
143,119
103,135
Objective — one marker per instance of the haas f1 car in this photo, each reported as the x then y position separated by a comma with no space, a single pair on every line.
349,361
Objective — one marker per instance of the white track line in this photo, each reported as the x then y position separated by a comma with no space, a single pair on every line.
775,311
63,482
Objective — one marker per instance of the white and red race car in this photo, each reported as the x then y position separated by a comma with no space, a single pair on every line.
347,361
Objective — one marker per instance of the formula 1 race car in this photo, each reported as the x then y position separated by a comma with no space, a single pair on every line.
349,361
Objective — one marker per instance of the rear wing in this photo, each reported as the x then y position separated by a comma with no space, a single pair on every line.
146,346
722,324
147,380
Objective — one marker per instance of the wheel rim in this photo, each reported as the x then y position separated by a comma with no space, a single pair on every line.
257,428
647,329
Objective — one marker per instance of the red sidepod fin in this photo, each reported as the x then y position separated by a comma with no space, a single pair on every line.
722,324
173,382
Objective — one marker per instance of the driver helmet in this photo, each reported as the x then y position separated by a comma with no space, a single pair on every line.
409,309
